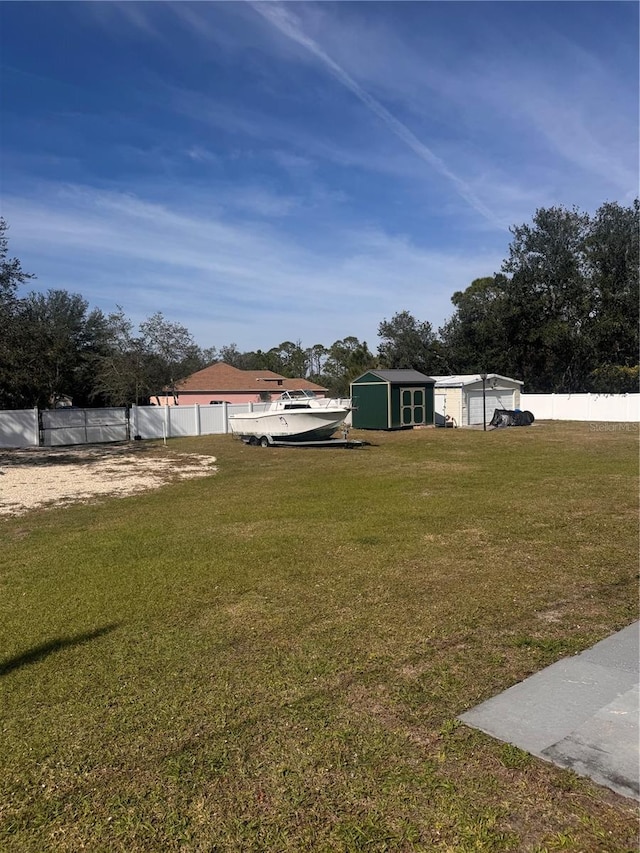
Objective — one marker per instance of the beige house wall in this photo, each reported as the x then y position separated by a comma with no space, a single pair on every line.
449,400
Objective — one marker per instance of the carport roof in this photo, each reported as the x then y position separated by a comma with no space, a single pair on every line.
469,379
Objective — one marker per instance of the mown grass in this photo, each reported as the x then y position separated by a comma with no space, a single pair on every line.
273,658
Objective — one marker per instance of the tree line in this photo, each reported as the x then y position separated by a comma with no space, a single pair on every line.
561,315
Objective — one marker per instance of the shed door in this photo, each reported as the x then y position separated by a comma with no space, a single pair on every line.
412,406
495,399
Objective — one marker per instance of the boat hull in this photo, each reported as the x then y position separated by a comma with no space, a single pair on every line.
306,425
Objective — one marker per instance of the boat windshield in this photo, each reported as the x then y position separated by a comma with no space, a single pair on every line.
302,394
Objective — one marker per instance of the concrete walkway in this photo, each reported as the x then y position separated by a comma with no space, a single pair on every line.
581,713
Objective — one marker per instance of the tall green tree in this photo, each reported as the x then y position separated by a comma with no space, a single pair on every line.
65,339
549,301
137,365
289,359
563,313
474,339
14,334
316,358
172,353
408,343
612,259
123,373
230,354
346,360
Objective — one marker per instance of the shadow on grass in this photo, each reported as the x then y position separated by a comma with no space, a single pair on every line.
81,454
40,652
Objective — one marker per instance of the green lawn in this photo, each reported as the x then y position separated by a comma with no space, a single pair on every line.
273,658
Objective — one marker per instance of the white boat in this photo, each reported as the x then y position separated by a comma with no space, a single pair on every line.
294,416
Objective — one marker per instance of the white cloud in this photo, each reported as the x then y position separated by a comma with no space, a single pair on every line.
240,282
199,154
123,18
283,20
535,113
566,119
266,206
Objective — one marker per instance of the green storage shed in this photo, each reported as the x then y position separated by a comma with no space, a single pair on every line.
392,399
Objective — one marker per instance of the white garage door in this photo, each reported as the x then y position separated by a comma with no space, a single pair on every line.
495,399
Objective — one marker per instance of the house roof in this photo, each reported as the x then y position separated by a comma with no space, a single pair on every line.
399,376
224,377
469,379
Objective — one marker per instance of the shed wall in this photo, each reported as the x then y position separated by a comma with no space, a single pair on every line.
372,406
379,403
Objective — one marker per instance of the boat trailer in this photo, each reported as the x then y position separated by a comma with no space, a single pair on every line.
268,441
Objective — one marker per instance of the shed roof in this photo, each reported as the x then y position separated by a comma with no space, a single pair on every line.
469,379
398,376
224,377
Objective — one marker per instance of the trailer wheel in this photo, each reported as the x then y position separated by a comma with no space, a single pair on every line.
264,441
253,441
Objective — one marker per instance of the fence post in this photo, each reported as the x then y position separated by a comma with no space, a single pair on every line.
36,427
197,417
225,417
167,422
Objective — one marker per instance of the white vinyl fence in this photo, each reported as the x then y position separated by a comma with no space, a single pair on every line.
61,427
173,421
614,408
19,428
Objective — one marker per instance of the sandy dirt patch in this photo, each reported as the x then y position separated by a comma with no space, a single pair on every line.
44,476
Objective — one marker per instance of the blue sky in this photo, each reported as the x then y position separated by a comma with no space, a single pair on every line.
263,172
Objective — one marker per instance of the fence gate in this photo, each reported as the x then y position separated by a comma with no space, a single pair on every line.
84,426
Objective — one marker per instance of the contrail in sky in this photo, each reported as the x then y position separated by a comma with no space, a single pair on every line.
287,24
